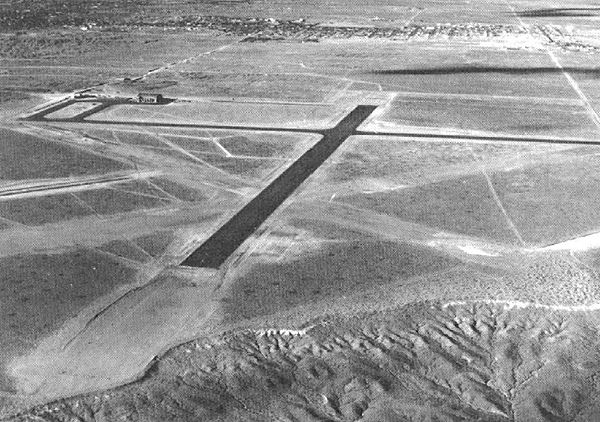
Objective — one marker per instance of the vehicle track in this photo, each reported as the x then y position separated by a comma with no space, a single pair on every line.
38,189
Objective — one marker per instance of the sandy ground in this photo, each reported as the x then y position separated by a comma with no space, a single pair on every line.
476,361
442,264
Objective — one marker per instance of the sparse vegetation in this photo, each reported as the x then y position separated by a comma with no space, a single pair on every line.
39,292
474,362
463,205
337,270
179,191
47,159
156,243
248,167
113,201
402,280
52,44
41,210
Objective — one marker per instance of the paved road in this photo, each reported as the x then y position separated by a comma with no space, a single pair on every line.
41,117
224,242
475,137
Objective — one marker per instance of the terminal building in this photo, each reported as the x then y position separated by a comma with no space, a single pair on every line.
148,98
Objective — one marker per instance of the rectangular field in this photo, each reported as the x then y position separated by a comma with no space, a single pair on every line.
196,82
403,161
552,202
113,201
511,117
221,113
464,205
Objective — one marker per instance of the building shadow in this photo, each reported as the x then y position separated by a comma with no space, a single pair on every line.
570,12
593,72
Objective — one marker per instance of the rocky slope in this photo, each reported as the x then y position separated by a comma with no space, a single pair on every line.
425,362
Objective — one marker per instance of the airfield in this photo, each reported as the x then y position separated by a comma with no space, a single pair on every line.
330,215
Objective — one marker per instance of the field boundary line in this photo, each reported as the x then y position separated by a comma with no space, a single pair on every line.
13,223
488,180
88,207
221,147
174,198
591,112
414,16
